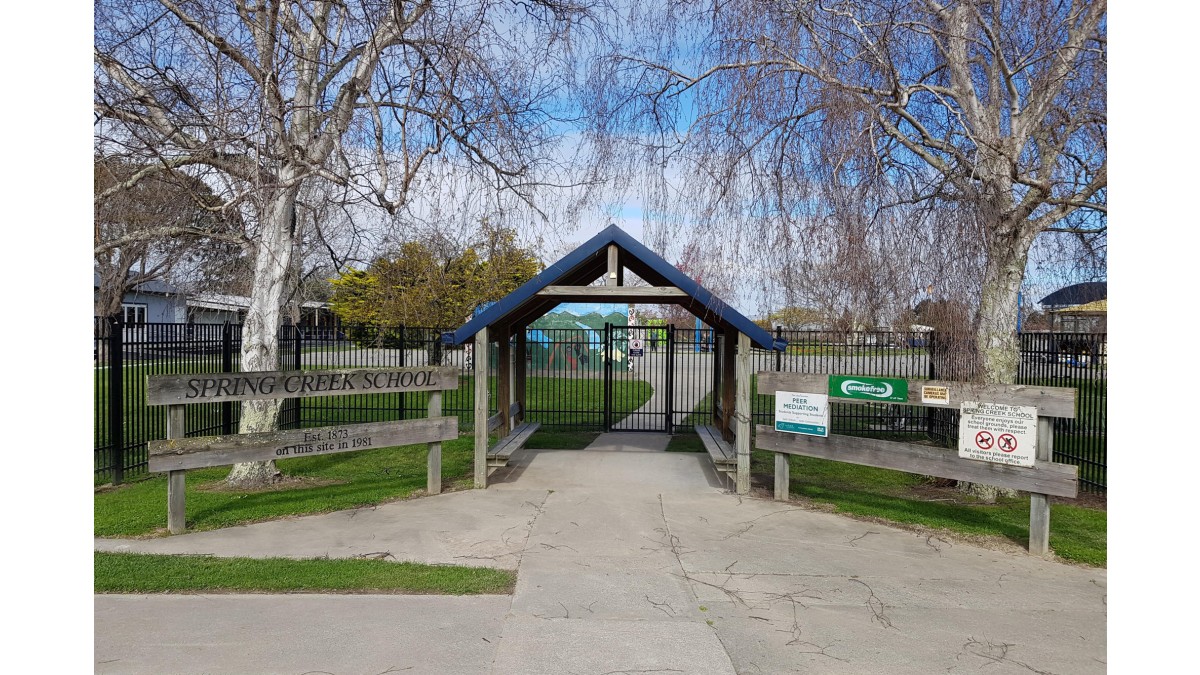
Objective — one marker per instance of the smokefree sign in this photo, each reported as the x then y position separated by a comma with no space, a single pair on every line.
868,388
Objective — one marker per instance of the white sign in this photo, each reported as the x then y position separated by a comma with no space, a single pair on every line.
635,344
935,395
798,413
995,432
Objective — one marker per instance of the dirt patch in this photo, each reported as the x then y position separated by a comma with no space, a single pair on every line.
281,484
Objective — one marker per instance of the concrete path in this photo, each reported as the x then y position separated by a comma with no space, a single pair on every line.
693,381
629,559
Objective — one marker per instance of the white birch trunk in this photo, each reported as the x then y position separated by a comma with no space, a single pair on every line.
996,338
260,332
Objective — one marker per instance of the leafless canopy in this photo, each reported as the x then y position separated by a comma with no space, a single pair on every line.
346,101
871,149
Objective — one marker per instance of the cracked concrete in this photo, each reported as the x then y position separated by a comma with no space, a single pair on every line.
629,560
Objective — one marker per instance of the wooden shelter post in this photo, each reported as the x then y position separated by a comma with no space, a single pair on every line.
504,379
481,407
728,382
742,414
519,375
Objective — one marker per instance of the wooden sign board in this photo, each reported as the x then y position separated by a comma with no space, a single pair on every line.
213,387
205,451
1050,401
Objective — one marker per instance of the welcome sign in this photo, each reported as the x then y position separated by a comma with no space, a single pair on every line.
869,388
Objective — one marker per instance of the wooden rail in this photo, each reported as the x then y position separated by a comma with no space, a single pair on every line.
1043,479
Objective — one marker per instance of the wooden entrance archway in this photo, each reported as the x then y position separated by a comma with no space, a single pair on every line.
607,256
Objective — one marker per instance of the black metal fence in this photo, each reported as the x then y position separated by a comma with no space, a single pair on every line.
568,385
1076,360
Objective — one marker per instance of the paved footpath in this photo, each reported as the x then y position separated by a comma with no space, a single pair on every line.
629,560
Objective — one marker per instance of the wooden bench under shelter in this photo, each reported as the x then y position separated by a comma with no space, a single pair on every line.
724,455
499,454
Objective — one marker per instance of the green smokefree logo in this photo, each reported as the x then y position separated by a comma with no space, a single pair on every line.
868,388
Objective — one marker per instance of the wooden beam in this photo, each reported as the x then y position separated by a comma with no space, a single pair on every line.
1045,478
176,479
178,453
503,378
611,279
214,387
783,477
1039,504
742,414
1050,401
481,407
613,292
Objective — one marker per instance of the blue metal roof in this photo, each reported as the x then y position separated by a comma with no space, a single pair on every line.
588,262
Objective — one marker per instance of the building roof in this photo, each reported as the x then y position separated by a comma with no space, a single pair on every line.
154,286
1097,307
233,303
590,261
1076,294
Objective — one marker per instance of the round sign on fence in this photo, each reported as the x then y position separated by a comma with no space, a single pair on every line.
635,344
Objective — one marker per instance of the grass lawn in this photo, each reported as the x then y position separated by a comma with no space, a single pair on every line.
139,573
324,483
319,484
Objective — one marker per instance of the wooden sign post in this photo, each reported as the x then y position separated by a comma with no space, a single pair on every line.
177,454
1041,480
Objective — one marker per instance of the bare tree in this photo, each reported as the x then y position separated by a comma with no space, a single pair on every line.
262,99
931,142
152,229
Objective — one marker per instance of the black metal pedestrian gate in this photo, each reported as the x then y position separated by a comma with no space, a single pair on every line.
639,378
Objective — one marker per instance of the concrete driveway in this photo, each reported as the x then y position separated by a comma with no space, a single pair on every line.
629,560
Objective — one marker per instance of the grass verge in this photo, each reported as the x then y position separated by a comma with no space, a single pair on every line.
143,573
688,442
1077,533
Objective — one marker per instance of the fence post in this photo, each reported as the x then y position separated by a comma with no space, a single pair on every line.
403,349
670,425
1039,505
176,480
227,367
778,354
433,461
116,396
783,476
298,354
608,340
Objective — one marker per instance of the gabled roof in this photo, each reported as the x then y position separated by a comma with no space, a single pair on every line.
153,286
590,261
1076,294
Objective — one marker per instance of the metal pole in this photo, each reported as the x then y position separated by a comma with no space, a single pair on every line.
607,376
116,396
670,422
403,345
227,367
